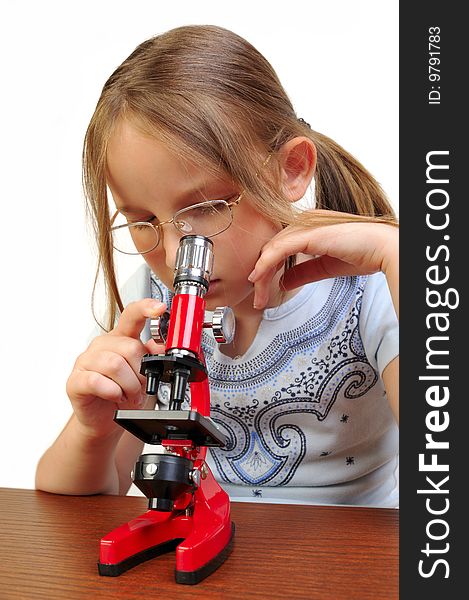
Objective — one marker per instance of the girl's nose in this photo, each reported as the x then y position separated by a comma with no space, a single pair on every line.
170,243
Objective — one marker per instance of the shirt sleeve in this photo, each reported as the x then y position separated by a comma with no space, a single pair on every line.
379,326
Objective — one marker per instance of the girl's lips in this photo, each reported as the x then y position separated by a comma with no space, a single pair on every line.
214,284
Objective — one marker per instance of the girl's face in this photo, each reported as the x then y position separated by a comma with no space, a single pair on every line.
146,180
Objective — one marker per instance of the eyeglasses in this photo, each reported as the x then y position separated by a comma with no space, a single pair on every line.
205,218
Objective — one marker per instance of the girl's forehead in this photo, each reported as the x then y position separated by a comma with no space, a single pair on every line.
130,150
141,166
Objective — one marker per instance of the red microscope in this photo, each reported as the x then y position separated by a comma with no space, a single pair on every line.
188,510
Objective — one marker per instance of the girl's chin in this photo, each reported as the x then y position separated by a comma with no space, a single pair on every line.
218,295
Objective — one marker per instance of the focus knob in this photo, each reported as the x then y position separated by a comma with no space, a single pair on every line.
159,328
223,324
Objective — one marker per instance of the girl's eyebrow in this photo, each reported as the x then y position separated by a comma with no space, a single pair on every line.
184,197
205,190
128,210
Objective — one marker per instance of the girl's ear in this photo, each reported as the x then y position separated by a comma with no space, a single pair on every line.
297,159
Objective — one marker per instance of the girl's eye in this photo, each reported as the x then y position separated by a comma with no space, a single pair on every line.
143,220
206,210
139,226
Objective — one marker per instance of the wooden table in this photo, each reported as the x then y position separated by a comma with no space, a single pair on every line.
49,547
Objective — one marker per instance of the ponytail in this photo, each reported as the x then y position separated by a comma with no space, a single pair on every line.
343,184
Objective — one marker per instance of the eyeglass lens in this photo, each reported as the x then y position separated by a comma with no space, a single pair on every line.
207,219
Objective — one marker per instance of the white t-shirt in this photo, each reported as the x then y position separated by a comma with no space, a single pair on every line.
304,409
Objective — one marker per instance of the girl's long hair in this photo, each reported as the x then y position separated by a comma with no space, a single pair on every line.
214,100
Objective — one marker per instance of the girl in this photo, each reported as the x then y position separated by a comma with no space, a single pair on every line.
194,133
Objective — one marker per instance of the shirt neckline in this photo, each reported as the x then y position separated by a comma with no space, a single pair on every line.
292,304
270,314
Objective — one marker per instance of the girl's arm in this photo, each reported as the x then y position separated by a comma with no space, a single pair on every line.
92,453
351,248
89,466
79,463
391,383
391,372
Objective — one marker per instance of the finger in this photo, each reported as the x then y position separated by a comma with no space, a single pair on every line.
262,288
316,269
274,253
289,242
88,385
116,368
153,348
134,316
131,349
271,260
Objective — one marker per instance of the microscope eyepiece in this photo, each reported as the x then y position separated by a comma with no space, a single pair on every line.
194,262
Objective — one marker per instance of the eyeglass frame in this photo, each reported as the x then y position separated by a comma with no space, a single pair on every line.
157,226
197,205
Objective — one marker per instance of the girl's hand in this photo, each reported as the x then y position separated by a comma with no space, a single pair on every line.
351,248
107,376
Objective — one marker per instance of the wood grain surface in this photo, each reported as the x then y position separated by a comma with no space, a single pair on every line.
49,547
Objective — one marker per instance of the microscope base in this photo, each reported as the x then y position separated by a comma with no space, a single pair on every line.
203,539
192,577
114,570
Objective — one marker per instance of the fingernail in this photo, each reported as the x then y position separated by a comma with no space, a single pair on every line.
252,276
155,307
257,303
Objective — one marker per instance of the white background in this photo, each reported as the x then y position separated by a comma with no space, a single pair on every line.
338,61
